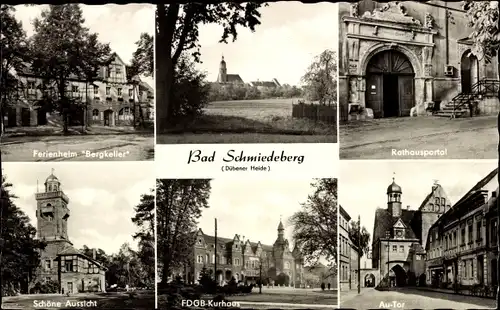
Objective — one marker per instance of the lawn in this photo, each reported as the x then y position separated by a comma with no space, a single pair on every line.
291,296
250,121
138,300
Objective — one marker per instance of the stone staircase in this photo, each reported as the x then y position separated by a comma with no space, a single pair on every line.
459,105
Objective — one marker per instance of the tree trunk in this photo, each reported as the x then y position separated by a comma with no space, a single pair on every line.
63,102
164,82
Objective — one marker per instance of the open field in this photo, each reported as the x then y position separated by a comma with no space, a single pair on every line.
138,300
461,138
250,121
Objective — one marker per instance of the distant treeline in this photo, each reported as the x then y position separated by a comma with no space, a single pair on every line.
218,92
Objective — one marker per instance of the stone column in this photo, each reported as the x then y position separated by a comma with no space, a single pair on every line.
420,95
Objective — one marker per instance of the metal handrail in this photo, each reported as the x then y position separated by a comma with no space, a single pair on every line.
481,88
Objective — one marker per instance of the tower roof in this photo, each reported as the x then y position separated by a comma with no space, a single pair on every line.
51,177
394,188
280,226
222,61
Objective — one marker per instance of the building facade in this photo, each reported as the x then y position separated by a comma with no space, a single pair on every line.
235,79
397,252
398,58
462,246
60,261
246,261
348,255
110,100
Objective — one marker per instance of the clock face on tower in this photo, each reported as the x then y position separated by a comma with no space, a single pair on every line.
399,233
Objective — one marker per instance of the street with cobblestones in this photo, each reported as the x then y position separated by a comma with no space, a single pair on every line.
411,298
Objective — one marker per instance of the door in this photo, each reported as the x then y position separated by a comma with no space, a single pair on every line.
11,117
83,285
474,70
25,117
70,287
391,97
374,94
107,118
406,97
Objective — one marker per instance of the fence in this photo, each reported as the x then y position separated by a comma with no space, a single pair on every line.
315,112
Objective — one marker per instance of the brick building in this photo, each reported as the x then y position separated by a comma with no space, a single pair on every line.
462,245
403,55
60,261
348,255
242,259
110,100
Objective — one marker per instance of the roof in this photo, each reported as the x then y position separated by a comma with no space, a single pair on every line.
394,188
265,83
344,213
384,221
69,250
234,78
51,177
470,194
221,240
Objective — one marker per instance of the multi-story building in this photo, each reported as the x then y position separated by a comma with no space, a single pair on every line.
109,100
397,251
348,255
246,261
399,56
60,261
462,245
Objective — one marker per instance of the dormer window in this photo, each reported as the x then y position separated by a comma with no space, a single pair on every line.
74,88
199,241
437,200
399,233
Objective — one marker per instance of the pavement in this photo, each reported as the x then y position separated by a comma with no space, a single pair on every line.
125,147
411,298
408,138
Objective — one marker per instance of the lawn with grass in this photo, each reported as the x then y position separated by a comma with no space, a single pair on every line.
250,121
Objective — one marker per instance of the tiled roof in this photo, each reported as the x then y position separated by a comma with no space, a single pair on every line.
69,250
384,221
234,78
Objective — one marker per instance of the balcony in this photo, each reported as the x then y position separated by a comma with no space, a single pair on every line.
52,195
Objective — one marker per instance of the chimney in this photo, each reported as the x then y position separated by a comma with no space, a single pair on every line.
435,185
407,207
93,254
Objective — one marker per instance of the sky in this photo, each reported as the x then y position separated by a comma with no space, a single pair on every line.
102,197
371,178
118,25
291,34
253,208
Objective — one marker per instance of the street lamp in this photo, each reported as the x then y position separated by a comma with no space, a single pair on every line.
260,277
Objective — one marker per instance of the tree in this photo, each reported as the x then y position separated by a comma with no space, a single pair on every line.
19,250
15,51
177,31
360,239
483,17
64,48
315,225
144,219
321,78
179,204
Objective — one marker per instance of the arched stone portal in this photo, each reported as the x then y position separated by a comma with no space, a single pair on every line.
369,280
469,71
390,84
400,278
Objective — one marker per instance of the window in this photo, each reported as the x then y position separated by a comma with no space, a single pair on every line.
96,90
31,85
431,207
207,257
69,266
118,70
455,238
108,91
443,201
130,92
200,259
287,265
74,88
462,240
140,93
236,261
47,264
437,200
401,249
470,233
394,248
478,231
419,257
119,90
199,241
95,114
494,236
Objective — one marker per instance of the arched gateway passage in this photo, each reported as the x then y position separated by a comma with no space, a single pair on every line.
399,276
469,71
390,84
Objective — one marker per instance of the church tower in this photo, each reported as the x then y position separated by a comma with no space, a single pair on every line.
222,78
279,248
394,199
52,211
